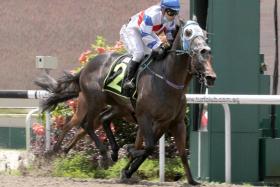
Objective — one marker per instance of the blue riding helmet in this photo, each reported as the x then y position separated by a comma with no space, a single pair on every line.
170,4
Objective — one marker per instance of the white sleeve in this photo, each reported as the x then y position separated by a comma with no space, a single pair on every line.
146,30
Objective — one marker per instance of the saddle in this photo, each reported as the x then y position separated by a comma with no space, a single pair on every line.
115,79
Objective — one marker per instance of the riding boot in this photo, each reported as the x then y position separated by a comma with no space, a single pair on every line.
131,70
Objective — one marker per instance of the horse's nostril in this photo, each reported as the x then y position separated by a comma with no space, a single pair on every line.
210,80
203,51
213,78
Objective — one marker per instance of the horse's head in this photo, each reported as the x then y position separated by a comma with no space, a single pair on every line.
193,40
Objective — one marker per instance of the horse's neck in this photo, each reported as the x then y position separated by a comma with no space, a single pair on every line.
177,66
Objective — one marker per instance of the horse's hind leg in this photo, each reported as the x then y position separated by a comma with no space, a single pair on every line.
90,130
179,133
114,145
66,127
91,124
76,120
106,118
77,137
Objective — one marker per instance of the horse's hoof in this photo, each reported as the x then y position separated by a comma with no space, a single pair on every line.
137,153
65,151
124,175
129,146
56,148
130,152
114,157
194,183
49,154
104,163
178,176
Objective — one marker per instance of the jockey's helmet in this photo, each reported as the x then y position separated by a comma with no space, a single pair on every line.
170,4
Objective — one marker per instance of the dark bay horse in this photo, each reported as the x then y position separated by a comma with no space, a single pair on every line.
161,88
77,120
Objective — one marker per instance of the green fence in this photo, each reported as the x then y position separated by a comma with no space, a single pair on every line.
234,38
12,121
12,138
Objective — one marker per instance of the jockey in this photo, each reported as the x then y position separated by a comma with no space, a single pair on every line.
140,35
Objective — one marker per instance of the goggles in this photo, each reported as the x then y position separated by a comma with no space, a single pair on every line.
171,12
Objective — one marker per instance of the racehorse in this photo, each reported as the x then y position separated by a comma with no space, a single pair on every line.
161,87
61,91
78,119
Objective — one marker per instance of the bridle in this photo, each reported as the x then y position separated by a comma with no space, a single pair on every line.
187,46
187,49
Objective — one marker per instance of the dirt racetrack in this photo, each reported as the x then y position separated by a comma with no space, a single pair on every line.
31,181
41,175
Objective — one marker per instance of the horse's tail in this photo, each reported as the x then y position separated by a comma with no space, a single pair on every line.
62,89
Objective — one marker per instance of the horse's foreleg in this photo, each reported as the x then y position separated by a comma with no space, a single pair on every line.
137,149
149,137
131,153
77,137
179,133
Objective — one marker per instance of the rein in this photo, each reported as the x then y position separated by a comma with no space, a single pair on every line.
186,50
171,84
199,76
178,52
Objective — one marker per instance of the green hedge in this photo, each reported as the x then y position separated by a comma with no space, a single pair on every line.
80,166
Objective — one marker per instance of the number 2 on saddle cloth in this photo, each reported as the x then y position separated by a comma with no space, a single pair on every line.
117,73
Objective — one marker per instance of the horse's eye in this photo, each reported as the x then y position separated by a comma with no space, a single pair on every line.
188,33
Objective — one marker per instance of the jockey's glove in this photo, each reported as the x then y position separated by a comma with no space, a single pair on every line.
160,52
167,45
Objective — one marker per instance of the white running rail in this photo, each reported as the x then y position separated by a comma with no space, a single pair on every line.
225,100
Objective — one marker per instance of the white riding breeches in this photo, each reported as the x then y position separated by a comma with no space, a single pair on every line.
133,42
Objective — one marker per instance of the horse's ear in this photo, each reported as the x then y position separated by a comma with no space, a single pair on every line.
205,33
194,18
181,22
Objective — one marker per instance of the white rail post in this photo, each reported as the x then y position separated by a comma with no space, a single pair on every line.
227,144
162,158
199,156
224,100
28,126
48,131
200,139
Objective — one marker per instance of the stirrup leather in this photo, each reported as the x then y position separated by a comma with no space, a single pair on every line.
129,84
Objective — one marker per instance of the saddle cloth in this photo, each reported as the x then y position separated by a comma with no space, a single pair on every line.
114,80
